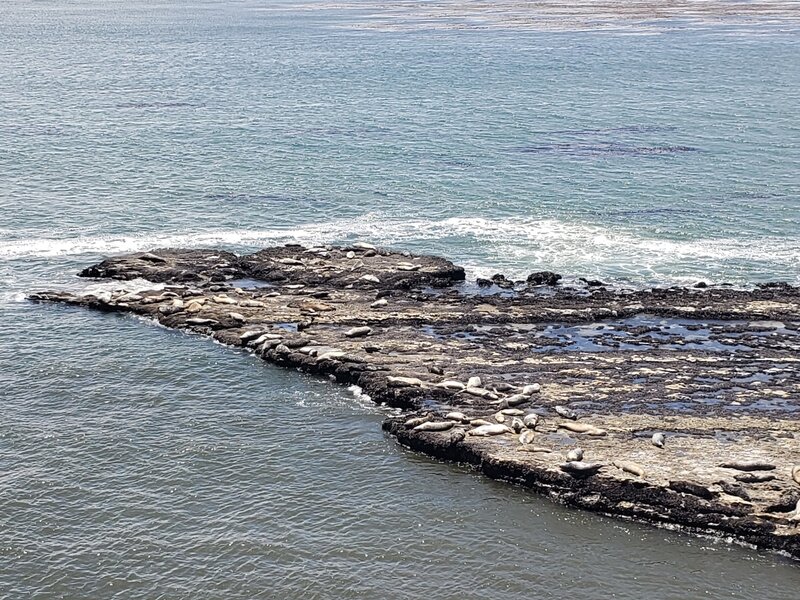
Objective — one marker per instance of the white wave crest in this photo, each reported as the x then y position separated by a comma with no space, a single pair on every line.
515,245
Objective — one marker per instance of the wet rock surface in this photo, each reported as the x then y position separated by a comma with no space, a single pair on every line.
713,369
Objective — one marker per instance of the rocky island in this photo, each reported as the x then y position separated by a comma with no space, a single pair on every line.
677,407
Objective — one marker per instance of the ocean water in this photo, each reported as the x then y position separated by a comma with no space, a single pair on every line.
139,462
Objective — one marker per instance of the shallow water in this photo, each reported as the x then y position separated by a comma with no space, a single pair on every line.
136,461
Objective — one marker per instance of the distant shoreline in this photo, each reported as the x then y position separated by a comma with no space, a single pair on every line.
555,15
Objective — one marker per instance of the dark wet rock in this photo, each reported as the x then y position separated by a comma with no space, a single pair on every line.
544,278
279,265
500,281
168,264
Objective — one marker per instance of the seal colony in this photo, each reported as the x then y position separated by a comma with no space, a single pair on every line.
677,407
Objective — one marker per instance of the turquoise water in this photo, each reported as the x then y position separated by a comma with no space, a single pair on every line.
139,462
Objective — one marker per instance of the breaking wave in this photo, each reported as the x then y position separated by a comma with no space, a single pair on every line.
513,245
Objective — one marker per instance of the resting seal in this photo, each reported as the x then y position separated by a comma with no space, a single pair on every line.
565,412
435,426
580,469
575,455
492,429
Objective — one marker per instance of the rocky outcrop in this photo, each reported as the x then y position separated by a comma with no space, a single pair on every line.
514,382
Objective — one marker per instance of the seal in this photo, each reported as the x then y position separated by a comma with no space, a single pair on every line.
502,387
530,420
695,489
514,400
512,412
474,382
517,425
734,489
435,426
408,267
451,385
480,392
575,455
580,469
194,307
457,416
379,303
201,321
251,335
252,304
264,337
530,390
754,477
565,412
526,437
750,465
492,429
583,428
658,439
480,422
500,417
528,448
414,421
363,246
358,332
404,381
629,467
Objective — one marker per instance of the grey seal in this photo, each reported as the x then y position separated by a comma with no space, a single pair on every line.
580,469
583,428
565,412
358,331
750,465
629,467
457,416
435,426
413,422
487,430
754,477
531,420
575,455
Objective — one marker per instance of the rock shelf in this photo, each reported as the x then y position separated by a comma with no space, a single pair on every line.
713,369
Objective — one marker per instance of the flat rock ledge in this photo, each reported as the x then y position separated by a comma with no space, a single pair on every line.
682,402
